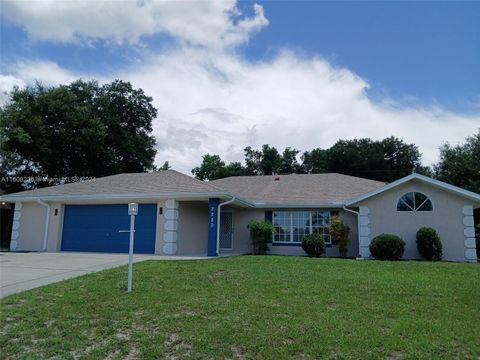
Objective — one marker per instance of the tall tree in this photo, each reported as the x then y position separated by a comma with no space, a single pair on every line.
77,130
289,163
262,162
460,165
271,160
385,160
315,161
253,159
213,168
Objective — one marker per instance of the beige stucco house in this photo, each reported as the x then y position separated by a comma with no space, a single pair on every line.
180,215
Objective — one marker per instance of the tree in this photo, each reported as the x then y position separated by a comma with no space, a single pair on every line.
386,160
252,161
315,161
77,130
234,169
265,162
165,166
212,168
460,165
289,163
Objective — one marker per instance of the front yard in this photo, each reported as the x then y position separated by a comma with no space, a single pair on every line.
252,307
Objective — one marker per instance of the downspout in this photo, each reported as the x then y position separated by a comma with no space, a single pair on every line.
358,224
45,234
218,221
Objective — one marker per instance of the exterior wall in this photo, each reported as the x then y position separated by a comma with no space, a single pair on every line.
349,219
159,231
241,234
28,227
55,227
450,218
192,234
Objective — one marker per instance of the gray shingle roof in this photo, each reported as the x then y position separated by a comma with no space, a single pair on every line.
297,188
273,189
164,181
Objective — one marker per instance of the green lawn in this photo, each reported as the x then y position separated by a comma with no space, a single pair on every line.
252,307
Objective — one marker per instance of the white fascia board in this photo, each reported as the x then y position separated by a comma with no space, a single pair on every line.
440,184
126,196
323,205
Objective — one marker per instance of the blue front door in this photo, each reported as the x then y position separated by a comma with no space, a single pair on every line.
94,228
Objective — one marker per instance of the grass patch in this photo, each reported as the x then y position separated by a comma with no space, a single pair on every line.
252,307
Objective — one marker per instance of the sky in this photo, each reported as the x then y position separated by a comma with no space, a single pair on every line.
227,74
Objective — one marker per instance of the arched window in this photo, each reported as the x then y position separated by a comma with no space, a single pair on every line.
414,201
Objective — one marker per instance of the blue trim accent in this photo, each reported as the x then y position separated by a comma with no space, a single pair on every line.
212,226
269,216
286,244
296,244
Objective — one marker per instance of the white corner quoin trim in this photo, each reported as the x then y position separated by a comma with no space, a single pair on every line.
170,227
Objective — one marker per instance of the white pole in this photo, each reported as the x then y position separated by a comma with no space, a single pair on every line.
130,253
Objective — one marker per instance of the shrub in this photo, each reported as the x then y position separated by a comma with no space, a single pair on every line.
261,233
339,232
387,247
313,245
429,244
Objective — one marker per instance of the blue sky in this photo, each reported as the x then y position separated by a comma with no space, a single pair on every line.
424,52
261,72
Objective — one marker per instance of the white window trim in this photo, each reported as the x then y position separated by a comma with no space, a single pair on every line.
310,227
416,207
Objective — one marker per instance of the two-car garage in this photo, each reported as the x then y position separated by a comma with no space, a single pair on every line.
95,228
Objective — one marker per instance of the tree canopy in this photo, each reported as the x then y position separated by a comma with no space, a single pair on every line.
460,165
385,160
77,130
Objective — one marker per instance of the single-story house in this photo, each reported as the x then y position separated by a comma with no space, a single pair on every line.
180,215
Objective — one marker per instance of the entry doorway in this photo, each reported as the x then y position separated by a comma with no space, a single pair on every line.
226,230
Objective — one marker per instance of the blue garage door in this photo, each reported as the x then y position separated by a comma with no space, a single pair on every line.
95,228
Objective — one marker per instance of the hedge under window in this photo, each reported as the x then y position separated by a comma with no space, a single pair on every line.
414,201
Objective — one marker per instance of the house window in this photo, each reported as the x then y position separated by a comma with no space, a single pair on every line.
292,226
414,201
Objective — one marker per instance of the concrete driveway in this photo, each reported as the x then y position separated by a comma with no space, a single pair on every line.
24,271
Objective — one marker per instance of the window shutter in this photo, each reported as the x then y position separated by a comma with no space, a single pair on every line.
268,216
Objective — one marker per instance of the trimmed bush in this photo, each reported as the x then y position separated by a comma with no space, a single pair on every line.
429,244
261,233
387,247
313,245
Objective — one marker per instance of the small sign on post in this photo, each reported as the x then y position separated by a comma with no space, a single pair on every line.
132,211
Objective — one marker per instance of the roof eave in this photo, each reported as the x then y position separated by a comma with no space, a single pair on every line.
322,205
126,196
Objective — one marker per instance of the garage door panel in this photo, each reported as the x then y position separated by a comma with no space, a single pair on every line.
95,228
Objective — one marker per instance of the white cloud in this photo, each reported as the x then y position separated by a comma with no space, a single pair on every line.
46,72
221,103
213,23
7,83
214,101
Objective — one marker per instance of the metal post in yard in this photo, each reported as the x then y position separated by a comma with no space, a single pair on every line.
130,253
132,211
